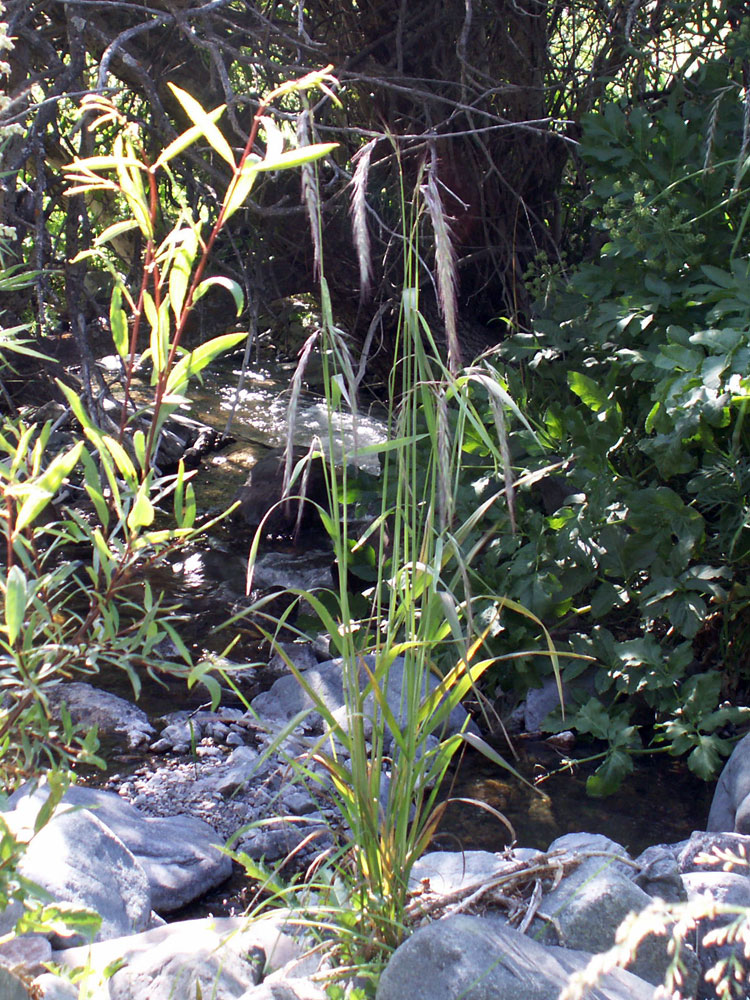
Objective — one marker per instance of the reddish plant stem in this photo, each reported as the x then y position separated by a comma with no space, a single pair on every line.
161,385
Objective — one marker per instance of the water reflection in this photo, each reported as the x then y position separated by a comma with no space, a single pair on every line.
661,802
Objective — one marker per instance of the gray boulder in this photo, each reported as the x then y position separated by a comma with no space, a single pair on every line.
730,808
25,954
699,853
445,872
175,954
52,987
162,973
260,496
725,888
286,697
79,860
591,902
478,959
286,989
11,987
176,853
112,715
659,874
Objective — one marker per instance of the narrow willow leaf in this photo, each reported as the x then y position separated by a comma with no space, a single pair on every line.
159,340
47,486
231,286
115,230
181,269
142,513
296,157
122,460
197,359
93,486
76,404
139,447
118,322
205,121
131,185
189,137
93,163
274,138
240,187
15,602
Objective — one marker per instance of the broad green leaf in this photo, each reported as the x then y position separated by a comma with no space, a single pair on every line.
16,596
205,121
705,759
296,157
189,137
587,391
609,775
240,187
231,286
197,359
118,322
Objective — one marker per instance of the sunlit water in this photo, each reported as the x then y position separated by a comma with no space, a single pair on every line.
259,414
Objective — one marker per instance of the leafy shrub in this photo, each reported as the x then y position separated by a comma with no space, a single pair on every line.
635,372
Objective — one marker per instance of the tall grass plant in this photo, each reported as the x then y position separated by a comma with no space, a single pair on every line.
414,647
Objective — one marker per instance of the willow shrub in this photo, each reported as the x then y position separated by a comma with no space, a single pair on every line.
78,524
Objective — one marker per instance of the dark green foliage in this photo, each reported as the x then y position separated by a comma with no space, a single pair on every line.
636,372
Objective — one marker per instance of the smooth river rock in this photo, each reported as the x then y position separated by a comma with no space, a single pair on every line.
177,854
730,808
286,697
226,955
479,959
112,715
79,860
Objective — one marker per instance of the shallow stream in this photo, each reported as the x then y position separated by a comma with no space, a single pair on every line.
661,802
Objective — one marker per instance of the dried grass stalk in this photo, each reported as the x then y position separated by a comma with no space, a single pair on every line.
358,211
445,267
310,193
291,413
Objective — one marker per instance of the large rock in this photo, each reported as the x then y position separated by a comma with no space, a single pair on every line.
730,808
728,889
113,716
478,959
226,952
25,954
11,987
79,860
707,851
177,853
286,697
260,497
162,973
445,872
591,902
659,874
